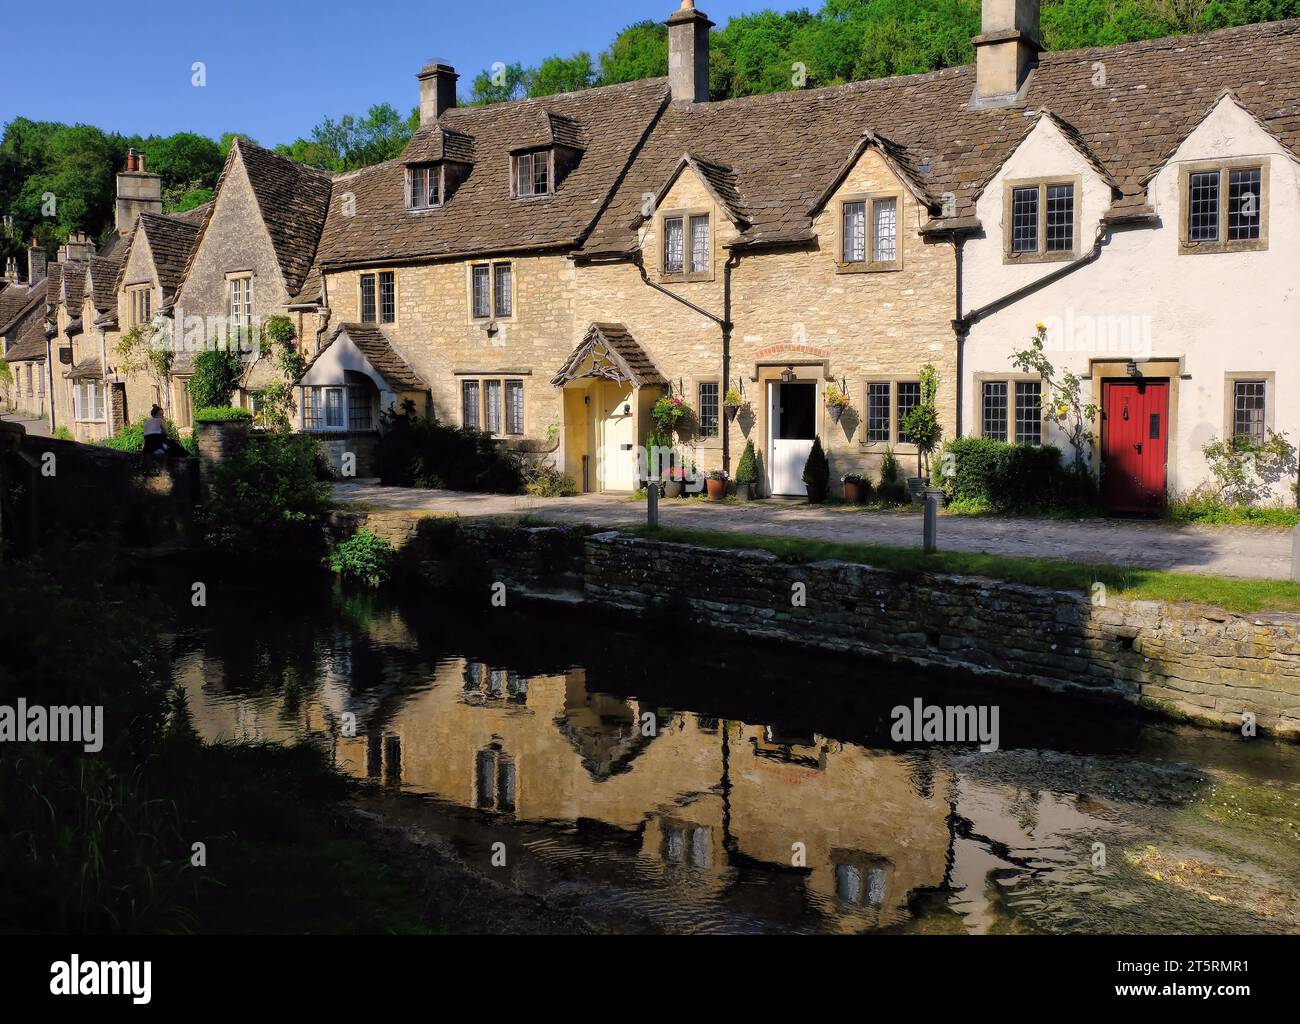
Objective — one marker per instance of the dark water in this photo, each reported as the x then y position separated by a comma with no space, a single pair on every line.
769,796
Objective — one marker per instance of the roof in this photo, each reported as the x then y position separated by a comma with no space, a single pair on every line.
171,240
480,216
86,369
786,148
103,278
26,328
292,199
74,283
15,300
374,344
613,354
434,142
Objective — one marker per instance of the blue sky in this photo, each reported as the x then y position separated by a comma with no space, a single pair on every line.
276,68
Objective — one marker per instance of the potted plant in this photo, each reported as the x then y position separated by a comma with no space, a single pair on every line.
857,489
747,473
718,485
893,488
674,478
817,474
921,425
836,402
733,401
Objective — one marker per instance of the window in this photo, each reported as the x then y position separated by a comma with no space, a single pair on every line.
688,246
31,384
494,405
338,408
995,410
1029,412
141,301
909,397
869,234
241,301
1012,411
492,291
674,251
311,418
88,401
1225,207
1042,219
495,780
333,415
514,407
379,298
40,382
1248,409
700,247
360,411
470,405
533,174
425,187
709,423
878,397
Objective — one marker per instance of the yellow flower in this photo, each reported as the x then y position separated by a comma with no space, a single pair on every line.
1041,327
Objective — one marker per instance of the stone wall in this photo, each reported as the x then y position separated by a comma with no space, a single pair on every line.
1185,661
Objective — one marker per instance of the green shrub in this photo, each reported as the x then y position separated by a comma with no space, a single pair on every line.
265,501
416,452
890,473
1012,478
817,472
225,414
217,373
1211,511
64,434
364,558
131,437
747,470
543,480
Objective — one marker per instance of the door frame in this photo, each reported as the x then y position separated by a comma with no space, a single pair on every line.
1160,369
771,386
1107,389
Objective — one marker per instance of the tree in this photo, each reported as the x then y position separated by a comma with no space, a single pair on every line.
639,51
500,84
562,74
1063,398
921,424
184,157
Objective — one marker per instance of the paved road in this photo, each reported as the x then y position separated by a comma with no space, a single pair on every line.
1222,551
37,428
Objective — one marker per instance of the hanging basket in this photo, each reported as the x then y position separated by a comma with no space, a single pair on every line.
837,413
732,412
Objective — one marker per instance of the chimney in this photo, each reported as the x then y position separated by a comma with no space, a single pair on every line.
137,193
36,262
11,270
1006,50
77,249
437,91
688,54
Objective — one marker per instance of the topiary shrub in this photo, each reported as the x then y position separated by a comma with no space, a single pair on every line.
817,473
225,414
1011,478
747,470
217,373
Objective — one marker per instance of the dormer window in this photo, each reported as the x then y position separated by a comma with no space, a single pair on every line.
424,186
1041,220
687,246
533,174
1224,207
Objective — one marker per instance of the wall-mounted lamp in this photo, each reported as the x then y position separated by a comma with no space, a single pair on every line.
1133,370
787,375
627,410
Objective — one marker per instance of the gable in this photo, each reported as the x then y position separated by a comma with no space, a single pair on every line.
1228,130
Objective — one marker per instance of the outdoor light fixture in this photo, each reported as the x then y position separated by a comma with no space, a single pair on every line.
787,375
1133,370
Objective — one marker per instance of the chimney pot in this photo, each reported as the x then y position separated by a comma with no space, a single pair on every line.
688,54
437,91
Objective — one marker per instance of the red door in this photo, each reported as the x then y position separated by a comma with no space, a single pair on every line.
1135,445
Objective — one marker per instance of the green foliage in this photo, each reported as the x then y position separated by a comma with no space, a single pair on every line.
62,433
1206,510
216,375
817,473
224,414
543,480
131,437
747,470
1244,469
1063,399
415,452
6,374
265,501
639,51
184,198
1013,478
563,74
921,424
351,142
893,488
364,558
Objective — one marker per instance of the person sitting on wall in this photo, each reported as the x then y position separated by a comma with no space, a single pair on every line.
155,436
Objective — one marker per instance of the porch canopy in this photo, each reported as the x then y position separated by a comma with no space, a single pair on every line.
609,352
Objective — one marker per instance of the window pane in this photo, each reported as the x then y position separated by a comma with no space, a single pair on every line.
360,416
1024,220
708,410
310,408
514,407
1060,218
470,404
995,410
524,175
334,408
1029,412
700,248
505,289
419,175
1248,410
855,232
387,298
673,245
367,298
482,297
878,412
493,406
884,242
1244,204
909,397
541,174
1203,207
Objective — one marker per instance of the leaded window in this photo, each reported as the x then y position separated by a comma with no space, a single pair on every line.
1024,219
878,397
884,231
1029,412
909,397
995,410
1060,218
674,246
709,408
1248,409
855,232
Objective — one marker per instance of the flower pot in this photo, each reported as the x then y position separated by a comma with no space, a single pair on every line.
717,490
674,488
836,413
854,494
744,492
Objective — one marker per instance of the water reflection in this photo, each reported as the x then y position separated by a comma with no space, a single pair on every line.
646,815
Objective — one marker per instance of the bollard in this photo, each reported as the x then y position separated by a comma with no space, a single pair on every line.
931,523
1295,554
652,508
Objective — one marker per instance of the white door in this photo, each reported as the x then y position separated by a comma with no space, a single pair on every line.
618,460
792,420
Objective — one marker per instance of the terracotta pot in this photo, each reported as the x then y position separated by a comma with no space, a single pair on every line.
853,493
717,489
674,488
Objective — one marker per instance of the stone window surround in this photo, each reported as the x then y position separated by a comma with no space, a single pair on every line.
1230,381
686,213
379,320
1011,380
249,279
1041,183
1185,172
549,152
132,290
482,378
893,380
869,198
481,321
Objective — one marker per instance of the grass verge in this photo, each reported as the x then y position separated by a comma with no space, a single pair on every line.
1237,595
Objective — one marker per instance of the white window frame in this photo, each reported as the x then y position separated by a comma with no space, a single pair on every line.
516,162
433,175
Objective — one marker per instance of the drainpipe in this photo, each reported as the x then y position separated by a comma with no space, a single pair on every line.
103,380
49,373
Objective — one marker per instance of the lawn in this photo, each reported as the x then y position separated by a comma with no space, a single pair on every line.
1237,595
